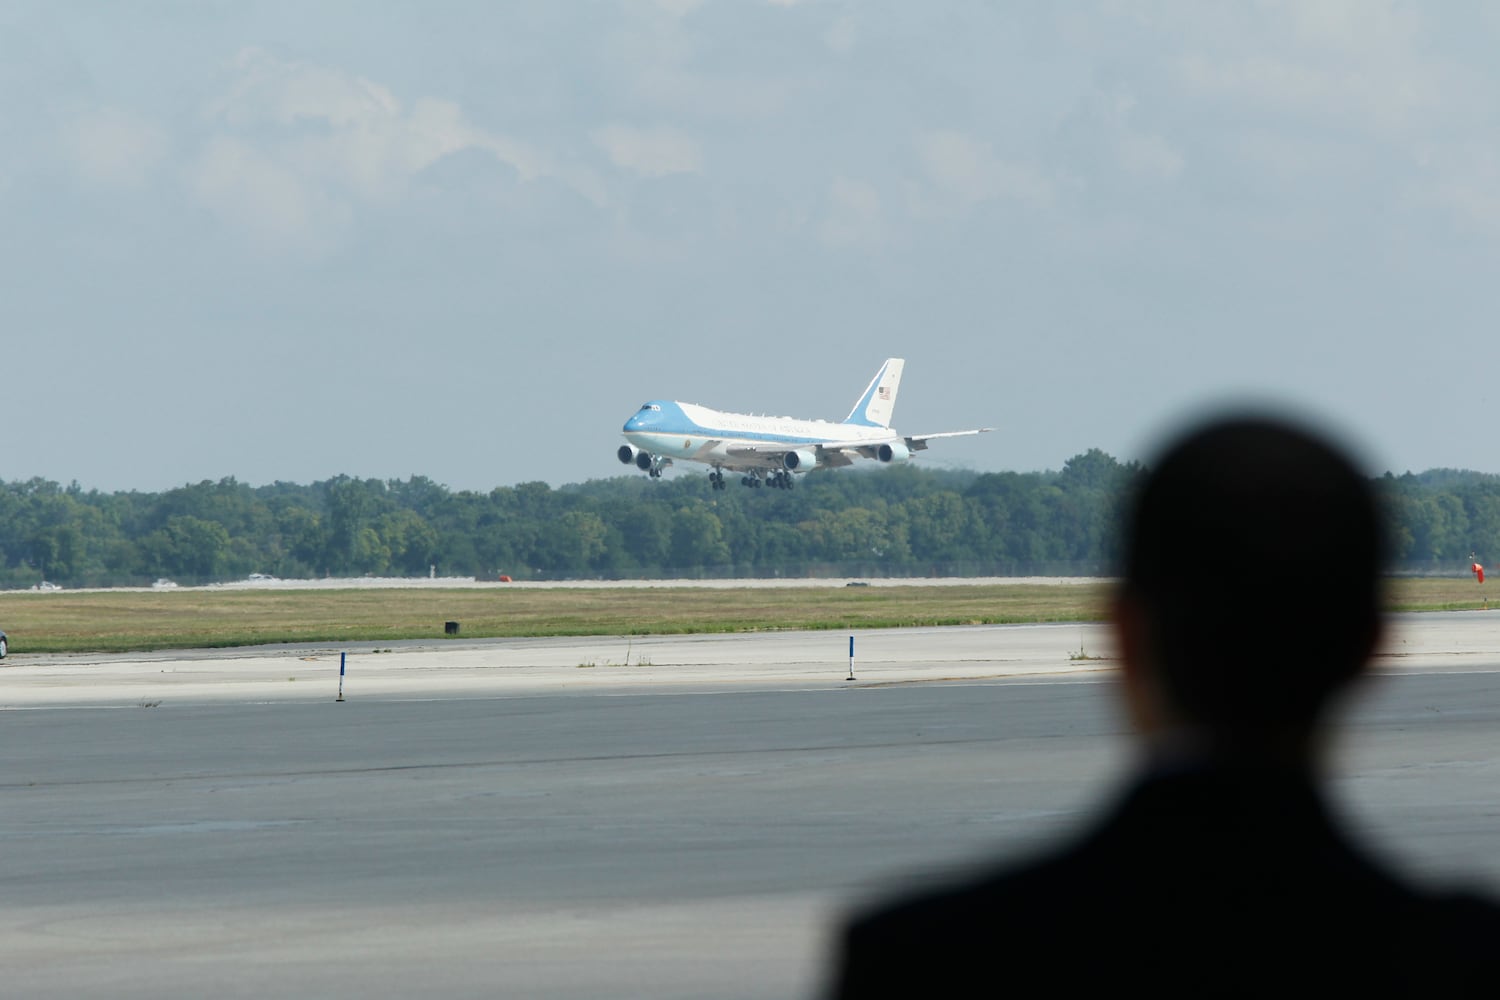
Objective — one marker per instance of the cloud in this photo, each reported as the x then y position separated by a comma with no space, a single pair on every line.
841,35
1465,184
854,215
965,169
1356,60
265,197
113,148
307,144
683,74
1099,138
268,89
1372,27
651,152
364,135
1148,155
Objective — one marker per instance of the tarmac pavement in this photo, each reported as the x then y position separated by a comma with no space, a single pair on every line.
568,818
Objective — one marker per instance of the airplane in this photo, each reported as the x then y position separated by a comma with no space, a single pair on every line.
770,450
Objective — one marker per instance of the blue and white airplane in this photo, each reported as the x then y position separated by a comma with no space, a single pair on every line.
768,450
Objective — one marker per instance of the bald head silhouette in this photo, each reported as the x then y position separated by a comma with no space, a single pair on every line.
1250,579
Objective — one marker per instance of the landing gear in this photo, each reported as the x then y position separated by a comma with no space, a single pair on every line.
716,479
778,479
650,464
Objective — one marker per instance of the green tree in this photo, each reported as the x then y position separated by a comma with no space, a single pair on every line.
411,542
697,539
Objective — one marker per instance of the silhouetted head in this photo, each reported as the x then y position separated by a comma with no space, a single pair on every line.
1252,559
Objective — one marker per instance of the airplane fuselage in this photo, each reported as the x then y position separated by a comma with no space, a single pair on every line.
771,450
735,440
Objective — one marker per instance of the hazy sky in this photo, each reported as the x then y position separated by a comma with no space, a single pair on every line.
467,240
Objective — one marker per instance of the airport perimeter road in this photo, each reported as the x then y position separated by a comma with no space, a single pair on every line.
505,820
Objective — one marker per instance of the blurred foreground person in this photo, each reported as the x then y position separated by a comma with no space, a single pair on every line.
1220,870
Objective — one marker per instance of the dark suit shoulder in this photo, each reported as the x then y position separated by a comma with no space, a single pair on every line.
938,941
1009,931
1239,884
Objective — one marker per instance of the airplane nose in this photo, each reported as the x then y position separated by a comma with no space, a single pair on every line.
641,420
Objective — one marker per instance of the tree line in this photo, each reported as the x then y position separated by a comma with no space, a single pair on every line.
902,521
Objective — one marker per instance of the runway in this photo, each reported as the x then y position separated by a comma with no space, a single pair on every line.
677,817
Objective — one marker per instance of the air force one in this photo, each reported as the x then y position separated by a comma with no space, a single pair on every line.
769,450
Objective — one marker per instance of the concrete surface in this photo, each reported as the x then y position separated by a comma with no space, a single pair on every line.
681,817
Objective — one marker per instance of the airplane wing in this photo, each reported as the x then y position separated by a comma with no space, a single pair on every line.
767,457
835,454
833,457
918,442
773,456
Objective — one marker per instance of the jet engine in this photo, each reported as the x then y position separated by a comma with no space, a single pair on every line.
794,460
642,460
895,452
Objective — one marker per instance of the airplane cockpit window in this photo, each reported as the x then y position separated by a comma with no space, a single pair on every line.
650,407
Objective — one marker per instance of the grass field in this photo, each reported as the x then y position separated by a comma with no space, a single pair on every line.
184,619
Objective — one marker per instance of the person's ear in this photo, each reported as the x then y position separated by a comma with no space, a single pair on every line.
1139,687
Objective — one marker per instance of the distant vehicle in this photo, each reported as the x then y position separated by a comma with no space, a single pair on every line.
164,584
261,578
45,585
4,645
768,450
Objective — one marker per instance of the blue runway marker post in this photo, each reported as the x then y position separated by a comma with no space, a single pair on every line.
851,659
342,657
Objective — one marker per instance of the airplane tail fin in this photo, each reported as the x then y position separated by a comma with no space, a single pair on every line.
875,406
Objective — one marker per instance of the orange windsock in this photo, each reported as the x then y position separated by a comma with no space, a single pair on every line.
1478,572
